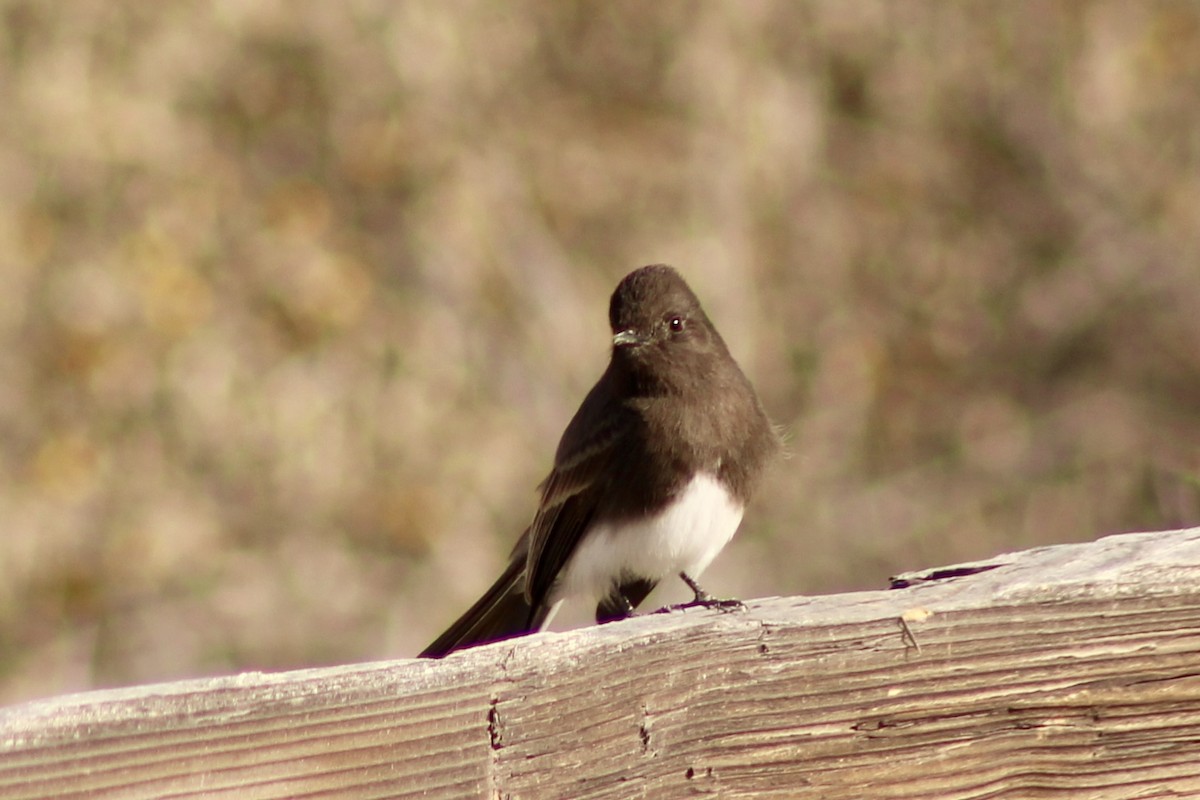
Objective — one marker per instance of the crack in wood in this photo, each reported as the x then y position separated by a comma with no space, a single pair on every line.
644,730
946,573
495,727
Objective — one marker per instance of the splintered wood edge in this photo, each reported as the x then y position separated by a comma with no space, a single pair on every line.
819,692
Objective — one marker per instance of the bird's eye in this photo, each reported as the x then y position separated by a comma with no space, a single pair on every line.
676,324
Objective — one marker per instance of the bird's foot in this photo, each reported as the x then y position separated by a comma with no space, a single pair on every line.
726,605
702,600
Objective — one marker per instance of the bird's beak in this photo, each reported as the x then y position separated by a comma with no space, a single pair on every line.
628,338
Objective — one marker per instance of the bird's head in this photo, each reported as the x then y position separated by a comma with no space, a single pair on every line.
658,323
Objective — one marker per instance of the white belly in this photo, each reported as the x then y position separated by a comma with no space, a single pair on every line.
684,537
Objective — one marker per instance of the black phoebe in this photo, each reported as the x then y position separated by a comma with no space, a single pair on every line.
650,478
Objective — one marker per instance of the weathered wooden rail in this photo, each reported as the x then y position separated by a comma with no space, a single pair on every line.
1068,671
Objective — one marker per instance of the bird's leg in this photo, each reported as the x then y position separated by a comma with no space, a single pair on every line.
623,599
706,600
614,607
703,599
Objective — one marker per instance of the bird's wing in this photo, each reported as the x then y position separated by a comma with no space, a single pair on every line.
575,489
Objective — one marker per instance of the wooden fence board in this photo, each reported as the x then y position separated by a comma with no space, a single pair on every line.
1067,671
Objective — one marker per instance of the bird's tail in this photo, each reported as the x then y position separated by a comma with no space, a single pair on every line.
502,613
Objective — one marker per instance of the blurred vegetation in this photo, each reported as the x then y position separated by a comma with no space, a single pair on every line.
295,298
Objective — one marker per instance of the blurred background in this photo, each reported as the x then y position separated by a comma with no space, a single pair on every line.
296,298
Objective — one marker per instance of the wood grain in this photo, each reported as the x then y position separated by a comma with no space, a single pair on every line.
1069,671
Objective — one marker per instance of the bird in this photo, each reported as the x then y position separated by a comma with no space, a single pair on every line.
650,478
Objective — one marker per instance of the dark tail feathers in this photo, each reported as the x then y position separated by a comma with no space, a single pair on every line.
501,613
